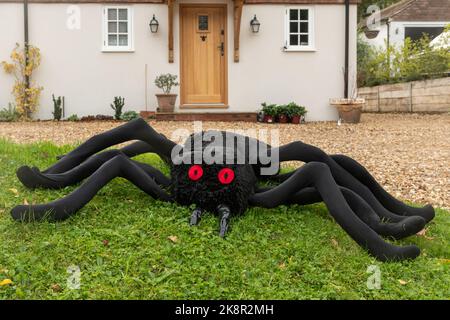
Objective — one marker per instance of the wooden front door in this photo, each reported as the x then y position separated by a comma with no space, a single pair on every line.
203,55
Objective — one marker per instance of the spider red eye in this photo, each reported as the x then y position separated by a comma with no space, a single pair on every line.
226,176
195,172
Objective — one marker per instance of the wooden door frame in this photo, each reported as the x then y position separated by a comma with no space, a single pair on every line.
225,57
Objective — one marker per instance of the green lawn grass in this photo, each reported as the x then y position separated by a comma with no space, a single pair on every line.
284,253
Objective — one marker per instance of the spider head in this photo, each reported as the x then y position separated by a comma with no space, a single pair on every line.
211,185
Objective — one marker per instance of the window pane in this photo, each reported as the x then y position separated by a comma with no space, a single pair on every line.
112,27
293,14
303,14
112,40
293,40
304,40
415,33
293,27
123,15
123,27
112,14
303,26
203,23
123,40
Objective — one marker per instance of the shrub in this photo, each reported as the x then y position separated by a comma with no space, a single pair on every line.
414,60
282,109
26,94
294,109
73,117
165,82
58,105
269,109
117,106
129,115
9,114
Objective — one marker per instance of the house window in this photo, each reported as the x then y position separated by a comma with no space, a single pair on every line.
416,33
117,29
299,29
203,23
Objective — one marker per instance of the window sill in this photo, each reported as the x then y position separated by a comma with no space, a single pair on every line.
309,49
117,50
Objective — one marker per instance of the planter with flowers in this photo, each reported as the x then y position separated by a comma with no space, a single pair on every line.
283,113
166,100
296,113
270,112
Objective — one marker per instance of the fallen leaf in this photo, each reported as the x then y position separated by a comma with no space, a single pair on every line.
282,266
402,282
445,260
25,202
14,190
423,233
334,243
174,239
5,282
56,287
105,242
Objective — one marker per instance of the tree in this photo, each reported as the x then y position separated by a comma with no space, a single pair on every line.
362,8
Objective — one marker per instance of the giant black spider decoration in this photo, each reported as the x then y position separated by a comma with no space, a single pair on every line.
353,197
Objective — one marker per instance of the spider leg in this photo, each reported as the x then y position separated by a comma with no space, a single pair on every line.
196,216
319,175
307,153
225,214
33,178
137,129
398,230
131,150
119,166
387,200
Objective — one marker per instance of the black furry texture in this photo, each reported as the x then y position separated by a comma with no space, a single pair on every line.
207,193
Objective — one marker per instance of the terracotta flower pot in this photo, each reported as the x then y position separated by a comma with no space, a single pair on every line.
295,119
282,118
349,109
268,119
166,102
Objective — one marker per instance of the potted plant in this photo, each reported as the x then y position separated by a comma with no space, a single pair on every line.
283,113
296,113
349,109
270,112
166,100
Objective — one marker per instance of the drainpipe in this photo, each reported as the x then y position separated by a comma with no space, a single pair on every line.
25,28
347,36
388,44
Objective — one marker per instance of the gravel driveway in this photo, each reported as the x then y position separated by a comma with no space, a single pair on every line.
408,154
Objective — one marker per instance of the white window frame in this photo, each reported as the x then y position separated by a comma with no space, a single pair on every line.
117,48
424,24
311,29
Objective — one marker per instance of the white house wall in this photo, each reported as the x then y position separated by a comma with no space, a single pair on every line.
74,66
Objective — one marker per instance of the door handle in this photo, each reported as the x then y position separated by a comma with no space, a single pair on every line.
222,49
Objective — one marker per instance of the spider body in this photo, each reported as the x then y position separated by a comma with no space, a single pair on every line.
220,172
220,182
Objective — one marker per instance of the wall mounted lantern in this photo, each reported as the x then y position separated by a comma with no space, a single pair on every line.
254,24
154,24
